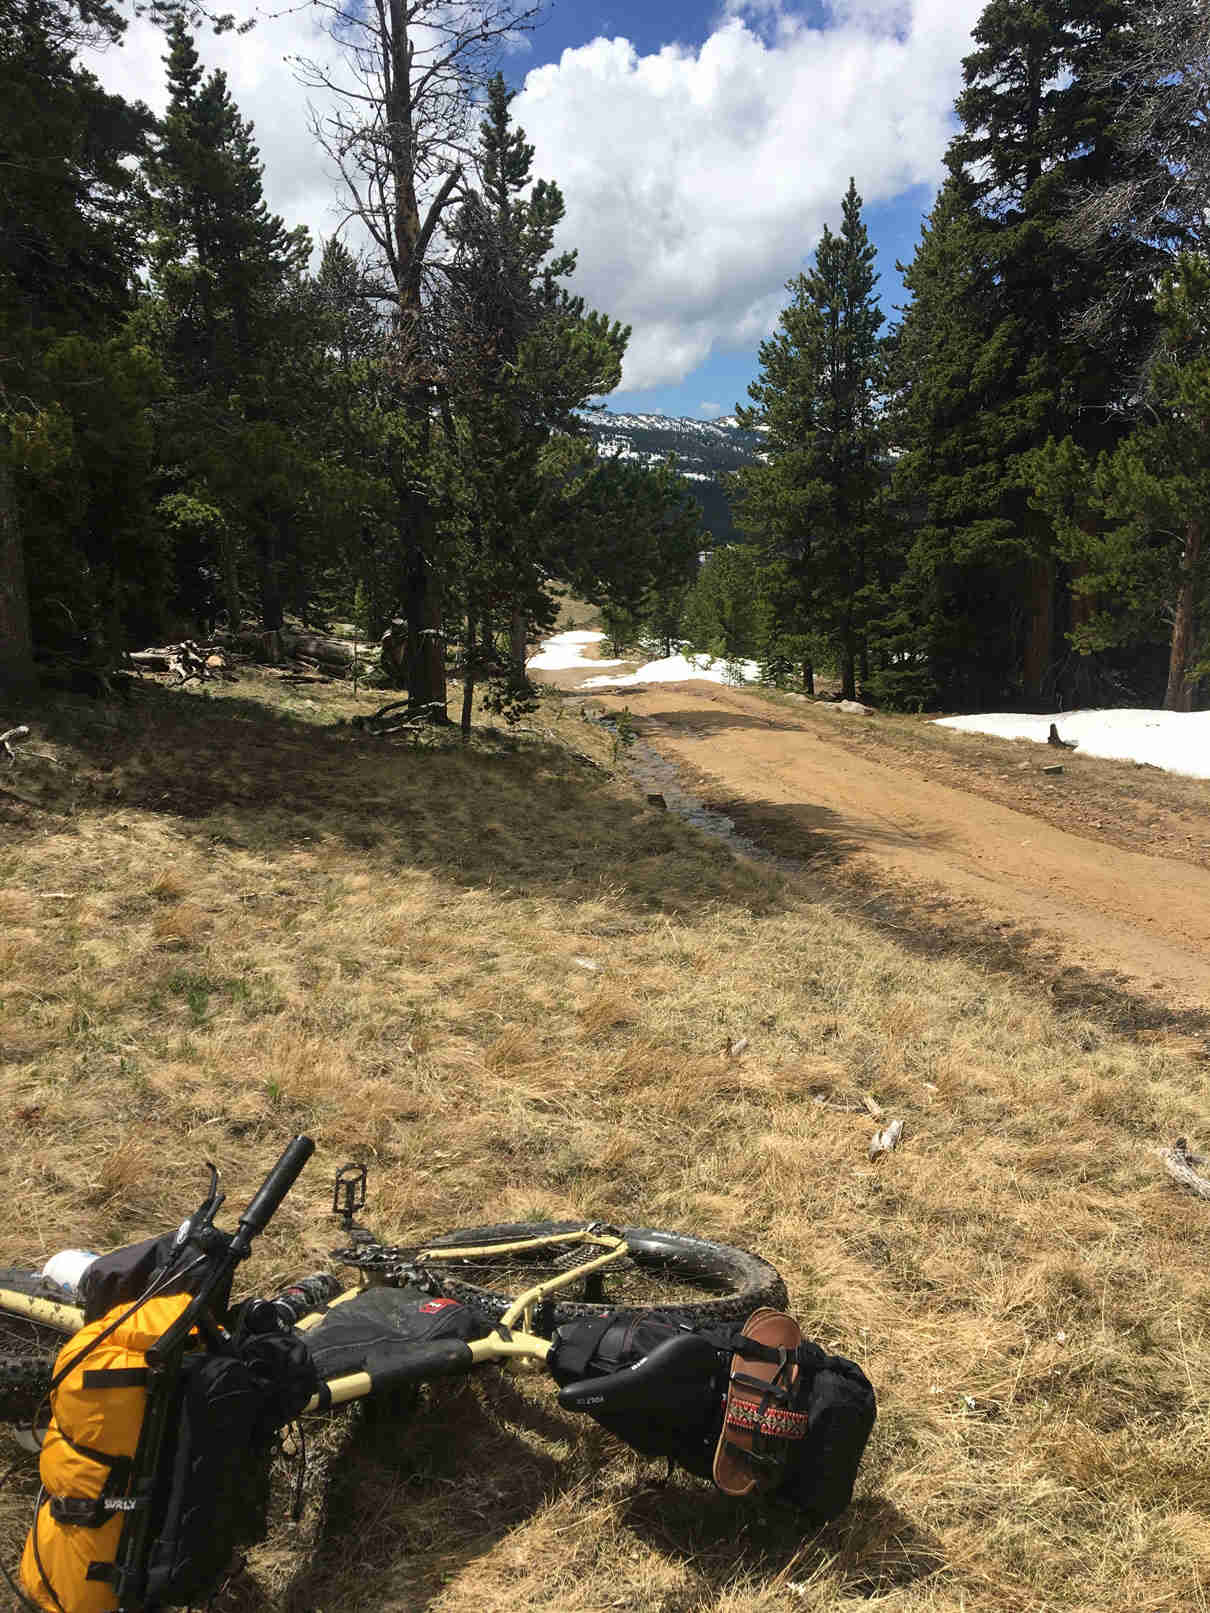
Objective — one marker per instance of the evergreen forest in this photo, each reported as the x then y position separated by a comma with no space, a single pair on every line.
1002,499
210,422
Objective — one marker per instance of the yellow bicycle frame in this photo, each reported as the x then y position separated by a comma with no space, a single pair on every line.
506,1342
66,1319
519,1345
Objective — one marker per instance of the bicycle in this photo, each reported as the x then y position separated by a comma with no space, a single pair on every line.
662,1361
677,1277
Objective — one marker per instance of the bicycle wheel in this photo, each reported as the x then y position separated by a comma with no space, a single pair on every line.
674,1275
29,1344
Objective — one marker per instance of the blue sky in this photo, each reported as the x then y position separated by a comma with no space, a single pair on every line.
700,149
721,381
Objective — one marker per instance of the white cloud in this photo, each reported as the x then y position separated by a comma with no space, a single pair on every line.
710,411
263,85
698,180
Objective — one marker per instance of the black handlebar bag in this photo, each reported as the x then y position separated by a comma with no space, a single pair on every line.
212,1489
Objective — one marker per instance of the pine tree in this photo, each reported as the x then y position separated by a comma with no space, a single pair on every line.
1136,521
68,251
519,356
813,506
634,541
1037,124
218,257
1157,76
722,613
398,133
225,270
952,632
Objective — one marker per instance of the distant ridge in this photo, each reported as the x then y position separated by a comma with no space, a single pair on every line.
705,450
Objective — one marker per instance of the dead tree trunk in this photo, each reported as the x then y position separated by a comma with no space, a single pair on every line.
1179,694
229,565
468,675
17,675
848,674
1040,628
422,612
272,602
518,643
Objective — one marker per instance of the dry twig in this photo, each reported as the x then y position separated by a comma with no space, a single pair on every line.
1180,1163
7,738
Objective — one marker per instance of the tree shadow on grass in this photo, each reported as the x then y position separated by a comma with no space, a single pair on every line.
698,721
522,816
872,1549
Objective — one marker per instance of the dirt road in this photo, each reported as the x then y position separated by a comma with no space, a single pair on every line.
791,777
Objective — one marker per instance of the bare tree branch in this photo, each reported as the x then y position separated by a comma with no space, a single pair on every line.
1159,80
1181,1164
6,741
401,137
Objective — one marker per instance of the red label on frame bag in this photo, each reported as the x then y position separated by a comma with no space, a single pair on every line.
431,1305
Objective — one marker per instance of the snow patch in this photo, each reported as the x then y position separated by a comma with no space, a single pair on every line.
677,668
566,650
1177,741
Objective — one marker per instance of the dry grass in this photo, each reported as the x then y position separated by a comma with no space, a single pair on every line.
246,922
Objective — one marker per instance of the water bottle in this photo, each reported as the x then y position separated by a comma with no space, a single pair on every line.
67,1267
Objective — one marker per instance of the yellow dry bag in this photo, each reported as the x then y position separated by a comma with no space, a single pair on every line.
97,1410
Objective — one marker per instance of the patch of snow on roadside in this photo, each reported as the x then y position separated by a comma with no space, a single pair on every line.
566,650
677,668
1178,741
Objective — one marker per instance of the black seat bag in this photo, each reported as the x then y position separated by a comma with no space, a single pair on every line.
820,1468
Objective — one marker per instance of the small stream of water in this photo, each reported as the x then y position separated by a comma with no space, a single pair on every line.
659,775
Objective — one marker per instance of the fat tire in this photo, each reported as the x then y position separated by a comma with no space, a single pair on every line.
27,1349
751,1281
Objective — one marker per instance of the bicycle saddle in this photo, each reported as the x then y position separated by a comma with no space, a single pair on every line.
673,1374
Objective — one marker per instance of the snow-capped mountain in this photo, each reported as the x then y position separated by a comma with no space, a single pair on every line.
705,450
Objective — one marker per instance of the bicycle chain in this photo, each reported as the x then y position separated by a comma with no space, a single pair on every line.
390,1263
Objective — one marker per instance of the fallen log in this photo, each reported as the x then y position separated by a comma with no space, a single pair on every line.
285,644
185,660
411,718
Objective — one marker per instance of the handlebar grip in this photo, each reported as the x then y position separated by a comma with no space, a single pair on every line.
275,1186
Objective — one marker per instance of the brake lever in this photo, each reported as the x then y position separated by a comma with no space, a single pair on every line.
201,1222
215,1198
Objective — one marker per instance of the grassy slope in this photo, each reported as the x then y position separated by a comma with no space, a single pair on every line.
246,922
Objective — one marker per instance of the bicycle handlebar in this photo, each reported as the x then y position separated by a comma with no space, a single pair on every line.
272,1191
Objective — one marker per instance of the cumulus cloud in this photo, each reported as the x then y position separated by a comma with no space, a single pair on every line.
698,180
263,85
